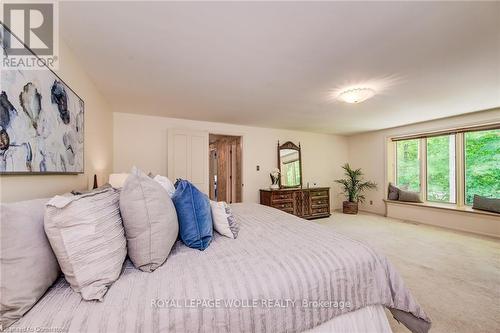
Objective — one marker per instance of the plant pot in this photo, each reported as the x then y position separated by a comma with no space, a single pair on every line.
274,187
350,207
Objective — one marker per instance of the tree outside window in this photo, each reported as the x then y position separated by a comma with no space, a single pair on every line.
408,164
441,169
482,164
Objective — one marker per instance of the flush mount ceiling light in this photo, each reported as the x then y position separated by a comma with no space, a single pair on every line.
356,95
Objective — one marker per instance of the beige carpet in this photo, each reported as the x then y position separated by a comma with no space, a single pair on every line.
455,276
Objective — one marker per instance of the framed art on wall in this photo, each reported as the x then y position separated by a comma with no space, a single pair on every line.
41,123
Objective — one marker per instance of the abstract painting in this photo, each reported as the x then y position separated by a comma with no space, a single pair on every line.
41,124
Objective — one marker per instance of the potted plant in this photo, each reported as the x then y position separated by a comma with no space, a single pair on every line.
353,186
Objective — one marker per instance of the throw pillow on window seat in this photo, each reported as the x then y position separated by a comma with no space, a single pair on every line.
393,193
487,204
409,196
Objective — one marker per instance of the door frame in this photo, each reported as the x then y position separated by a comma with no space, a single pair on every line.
242,145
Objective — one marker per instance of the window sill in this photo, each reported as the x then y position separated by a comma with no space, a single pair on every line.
435,205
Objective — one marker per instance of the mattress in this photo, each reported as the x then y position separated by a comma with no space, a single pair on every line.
282,274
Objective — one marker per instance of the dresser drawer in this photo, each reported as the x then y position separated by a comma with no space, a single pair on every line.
320,211
319,201
283,205
282,196
318,193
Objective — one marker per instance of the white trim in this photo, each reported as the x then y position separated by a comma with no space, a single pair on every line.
472,125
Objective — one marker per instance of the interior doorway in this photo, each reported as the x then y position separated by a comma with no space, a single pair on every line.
225,180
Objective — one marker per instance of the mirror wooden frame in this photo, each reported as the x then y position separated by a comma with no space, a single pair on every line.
290,145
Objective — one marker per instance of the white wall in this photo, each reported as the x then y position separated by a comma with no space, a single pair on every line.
98,142
367,151
142,140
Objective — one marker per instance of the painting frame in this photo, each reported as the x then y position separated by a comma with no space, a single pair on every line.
48,71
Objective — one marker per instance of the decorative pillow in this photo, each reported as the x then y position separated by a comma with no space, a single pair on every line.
393,192
149,219
117,180
223,219
195,217
409,196
28,265
87,237
166,184
488,204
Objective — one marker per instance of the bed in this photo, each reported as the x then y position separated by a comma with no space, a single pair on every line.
282,274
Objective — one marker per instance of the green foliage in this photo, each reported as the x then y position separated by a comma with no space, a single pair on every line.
441,168
354,184
408,164
482,164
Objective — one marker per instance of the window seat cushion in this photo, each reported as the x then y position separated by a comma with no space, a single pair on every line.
409,196
487,204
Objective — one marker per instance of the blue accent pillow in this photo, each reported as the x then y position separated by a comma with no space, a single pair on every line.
194,215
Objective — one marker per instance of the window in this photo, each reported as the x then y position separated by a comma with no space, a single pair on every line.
441,169
408,164
448,167
482,164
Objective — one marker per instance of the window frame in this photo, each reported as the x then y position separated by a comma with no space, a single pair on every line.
460,160
419,154
426,196
464,179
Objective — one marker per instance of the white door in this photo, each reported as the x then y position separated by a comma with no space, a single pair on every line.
188,157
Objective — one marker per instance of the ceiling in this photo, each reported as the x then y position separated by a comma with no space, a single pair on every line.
276,64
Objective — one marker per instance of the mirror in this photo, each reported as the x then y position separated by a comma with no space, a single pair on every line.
290,165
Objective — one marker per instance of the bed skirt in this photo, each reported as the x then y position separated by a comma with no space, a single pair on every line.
368,319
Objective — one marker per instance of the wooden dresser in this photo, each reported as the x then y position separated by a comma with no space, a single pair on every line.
308,203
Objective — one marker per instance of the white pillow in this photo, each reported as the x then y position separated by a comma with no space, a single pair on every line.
223,219
87,236
166,184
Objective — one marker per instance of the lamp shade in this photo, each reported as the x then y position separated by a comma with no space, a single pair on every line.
117,179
